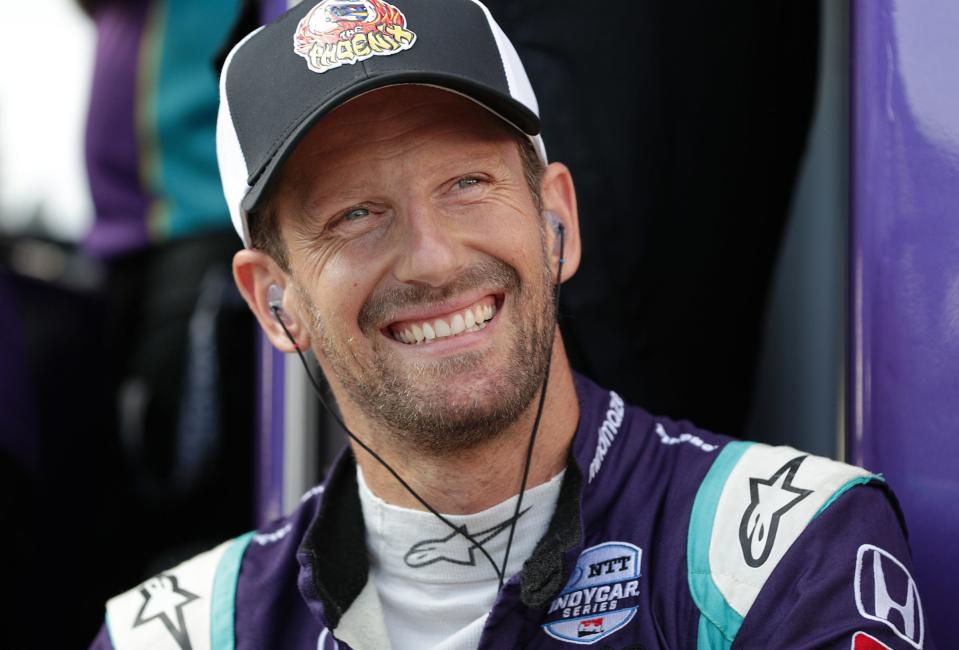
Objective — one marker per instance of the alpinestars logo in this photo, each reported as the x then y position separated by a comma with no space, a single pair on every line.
454,548
164,600
769,500
341,32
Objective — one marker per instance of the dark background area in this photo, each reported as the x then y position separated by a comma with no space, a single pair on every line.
684,124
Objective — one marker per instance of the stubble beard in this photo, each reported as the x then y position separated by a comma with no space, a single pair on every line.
425,407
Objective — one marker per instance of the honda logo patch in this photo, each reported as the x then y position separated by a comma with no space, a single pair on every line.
886,592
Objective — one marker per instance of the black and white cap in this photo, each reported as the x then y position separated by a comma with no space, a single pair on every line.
282,78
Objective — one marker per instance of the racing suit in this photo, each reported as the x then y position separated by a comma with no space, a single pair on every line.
664,536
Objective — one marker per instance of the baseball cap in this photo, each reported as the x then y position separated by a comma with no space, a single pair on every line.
284,77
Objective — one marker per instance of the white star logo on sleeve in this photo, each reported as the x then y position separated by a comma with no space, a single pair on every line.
770,499
164,599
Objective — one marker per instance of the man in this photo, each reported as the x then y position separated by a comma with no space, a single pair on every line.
383,167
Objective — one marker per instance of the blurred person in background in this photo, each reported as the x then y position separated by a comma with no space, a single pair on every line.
181,345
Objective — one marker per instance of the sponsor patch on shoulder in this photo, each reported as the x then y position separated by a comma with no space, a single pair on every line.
688,438
606,434
862,641
601,597
343,32
886,592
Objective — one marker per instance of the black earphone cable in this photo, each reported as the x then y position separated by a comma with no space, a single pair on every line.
539,410
319,394
500,572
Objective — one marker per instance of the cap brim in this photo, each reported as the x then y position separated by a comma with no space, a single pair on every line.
506,108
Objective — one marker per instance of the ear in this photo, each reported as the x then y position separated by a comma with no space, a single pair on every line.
559,196
254,271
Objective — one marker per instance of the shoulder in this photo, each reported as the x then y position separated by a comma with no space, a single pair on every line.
752,506
195,604
181,607
851,572
615,439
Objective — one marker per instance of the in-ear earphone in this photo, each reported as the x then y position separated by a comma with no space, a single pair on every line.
274,296
274,300
554,222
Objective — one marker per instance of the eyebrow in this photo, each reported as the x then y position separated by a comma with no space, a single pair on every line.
347,195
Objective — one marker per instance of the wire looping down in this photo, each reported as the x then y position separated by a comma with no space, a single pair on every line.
461,530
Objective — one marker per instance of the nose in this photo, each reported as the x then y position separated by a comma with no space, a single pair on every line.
431,251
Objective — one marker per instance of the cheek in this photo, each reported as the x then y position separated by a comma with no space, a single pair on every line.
504,228
514,242
344,287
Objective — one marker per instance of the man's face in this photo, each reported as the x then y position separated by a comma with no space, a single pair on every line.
417,256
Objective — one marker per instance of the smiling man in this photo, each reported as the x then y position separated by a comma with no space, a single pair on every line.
415,267
384,168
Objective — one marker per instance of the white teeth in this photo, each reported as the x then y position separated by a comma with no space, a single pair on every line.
469,320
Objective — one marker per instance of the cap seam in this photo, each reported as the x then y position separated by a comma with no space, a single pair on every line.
502,62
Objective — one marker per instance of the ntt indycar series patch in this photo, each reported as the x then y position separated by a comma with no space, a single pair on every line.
601,596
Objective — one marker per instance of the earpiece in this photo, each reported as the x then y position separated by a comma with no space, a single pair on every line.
274,299
554,222
274,296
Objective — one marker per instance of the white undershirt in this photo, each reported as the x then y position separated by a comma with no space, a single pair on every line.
427,600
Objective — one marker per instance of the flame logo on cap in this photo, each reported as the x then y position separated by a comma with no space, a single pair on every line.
341,32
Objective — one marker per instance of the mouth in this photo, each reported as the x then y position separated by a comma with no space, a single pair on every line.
436,327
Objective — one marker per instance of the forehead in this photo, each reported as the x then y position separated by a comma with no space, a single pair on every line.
394,121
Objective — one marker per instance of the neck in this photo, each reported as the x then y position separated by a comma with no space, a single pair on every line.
478,478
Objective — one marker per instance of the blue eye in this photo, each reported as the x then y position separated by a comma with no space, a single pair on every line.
356,213
466,183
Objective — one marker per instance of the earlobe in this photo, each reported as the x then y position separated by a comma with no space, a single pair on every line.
261,283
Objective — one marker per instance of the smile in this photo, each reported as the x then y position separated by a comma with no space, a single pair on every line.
425,331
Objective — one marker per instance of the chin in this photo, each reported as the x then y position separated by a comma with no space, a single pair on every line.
446,413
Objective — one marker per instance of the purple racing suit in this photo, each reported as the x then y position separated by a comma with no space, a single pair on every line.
664,536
